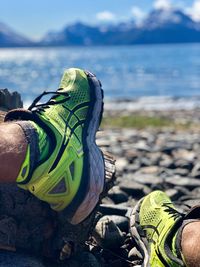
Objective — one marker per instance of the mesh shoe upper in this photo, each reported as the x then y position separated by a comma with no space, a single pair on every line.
157,222
65,118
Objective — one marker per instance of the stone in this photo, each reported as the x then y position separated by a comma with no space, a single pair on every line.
121,221
149,170
135,189
117,195
107,200
147,179
184,154
181,172
182,163
168,149
173,194
196,170
107,234
183,181
133,167
167,163
10,100
113,210
134,254
121,163
142,146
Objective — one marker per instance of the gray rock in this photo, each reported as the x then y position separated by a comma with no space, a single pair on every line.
107,200
135,189
113,210
150,170
133,167
184,154
167,163
190,183
173,194
196,170
107,234
182,163
181,172
121,163
196,191
121,221
134,254
117,195
10,100
142,146
168,149
147,179
191,202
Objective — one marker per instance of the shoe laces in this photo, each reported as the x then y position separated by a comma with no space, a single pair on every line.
35,107
173,212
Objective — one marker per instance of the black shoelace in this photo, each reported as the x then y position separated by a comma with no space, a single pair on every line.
173,212
34,107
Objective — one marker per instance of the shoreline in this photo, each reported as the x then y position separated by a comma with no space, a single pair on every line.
183,114
151,103
121,114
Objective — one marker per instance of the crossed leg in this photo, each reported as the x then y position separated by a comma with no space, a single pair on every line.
13,147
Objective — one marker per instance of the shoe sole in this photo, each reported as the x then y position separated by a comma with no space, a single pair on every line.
138,234
92,181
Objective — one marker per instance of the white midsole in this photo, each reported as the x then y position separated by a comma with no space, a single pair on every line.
97,172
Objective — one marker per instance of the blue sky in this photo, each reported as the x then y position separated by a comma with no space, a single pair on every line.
35,18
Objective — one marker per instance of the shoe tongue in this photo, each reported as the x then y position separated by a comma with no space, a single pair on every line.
66,79
70,76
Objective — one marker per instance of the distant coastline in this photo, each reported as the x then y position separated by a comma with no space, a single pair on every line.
153,103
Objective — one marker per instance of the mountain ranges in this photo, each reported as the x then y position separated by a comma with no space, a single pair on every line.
159,27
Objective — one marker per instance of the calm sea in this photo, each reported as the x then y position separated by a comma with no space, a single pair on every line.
126,72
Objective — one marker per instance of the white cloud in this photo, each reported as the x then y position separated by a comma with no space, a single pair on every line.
194,10
138,13
105,16
162,4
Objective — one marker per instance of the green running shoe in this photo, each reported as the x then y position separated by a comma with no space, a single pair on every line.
154,225
72,175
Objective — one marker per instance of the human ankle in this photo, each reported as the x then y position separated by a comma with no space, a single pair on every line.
190,244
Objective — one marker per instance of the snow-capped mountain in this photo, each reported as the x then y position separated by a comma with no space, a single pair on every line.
167,18
168,26
160,26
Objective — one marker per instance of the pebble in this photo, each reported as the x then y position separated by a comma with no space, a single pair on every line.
107,234
117,195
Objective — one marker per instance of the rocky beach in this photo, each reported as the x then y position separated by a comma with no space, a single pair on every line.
152,157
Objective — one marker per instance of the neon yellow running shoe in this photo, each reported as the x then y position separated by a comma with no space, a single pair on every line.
72,175
154,226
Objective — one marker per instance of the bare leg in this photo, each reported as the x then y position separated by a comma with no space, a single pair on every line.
191,245
13,147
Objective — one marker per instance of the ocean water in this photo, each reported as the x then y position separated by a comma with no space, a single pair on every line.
126,72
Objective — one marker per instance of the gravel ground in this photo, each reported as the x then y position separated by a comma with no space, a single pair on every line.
146,160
